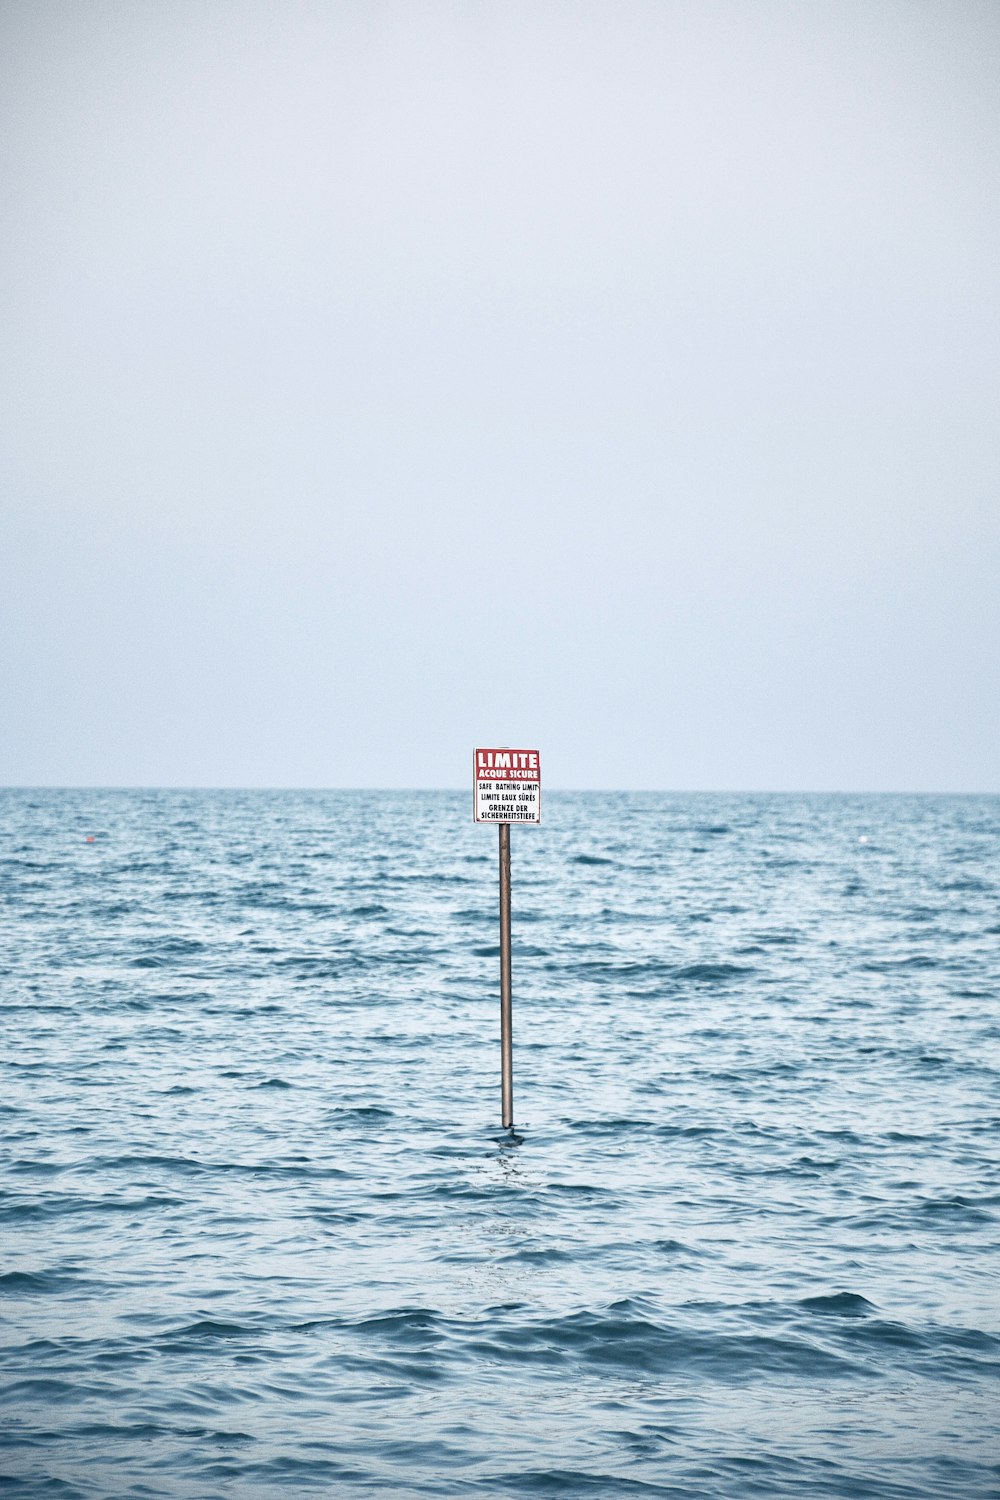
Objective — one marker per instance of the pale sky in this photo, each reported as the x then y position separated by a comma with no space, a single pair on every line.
616,378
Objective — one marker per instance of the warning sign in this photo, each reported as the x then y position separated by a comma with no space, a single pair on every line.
507,786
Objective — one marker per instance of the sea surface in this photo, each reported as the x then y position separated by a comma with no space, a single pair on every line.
262,1232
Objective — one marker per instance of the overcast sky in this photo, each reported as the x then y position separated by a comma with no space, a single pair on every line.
617,378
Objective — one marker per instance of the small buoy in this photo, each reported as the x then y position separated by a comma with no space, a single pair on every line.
90,838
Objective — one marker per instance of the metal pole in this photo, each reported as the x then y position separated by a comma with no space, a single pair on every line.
506,1013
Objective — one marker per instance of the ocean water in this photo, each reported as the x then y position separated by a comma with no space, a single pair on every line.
262,1232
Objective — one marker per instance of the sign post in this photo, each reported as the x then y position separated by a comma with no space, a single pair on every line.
507,788
506,1003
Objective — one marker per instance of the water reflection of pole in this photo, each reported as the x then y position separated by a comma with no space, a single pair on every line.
506,1010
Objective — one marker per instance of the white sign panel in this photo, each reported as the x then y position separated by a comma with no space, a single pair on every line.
507,786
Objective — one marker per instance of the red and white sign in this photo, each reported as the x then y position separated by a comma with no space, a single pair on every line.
507,786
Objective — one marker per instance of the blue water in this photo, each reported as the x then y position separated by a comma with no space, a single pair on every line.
264,1236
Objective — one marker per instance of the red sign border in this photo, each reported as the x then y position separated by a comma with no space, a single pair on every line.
495,822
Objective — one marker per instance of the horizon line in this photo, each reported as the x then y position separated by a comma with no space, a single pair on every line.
100,786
